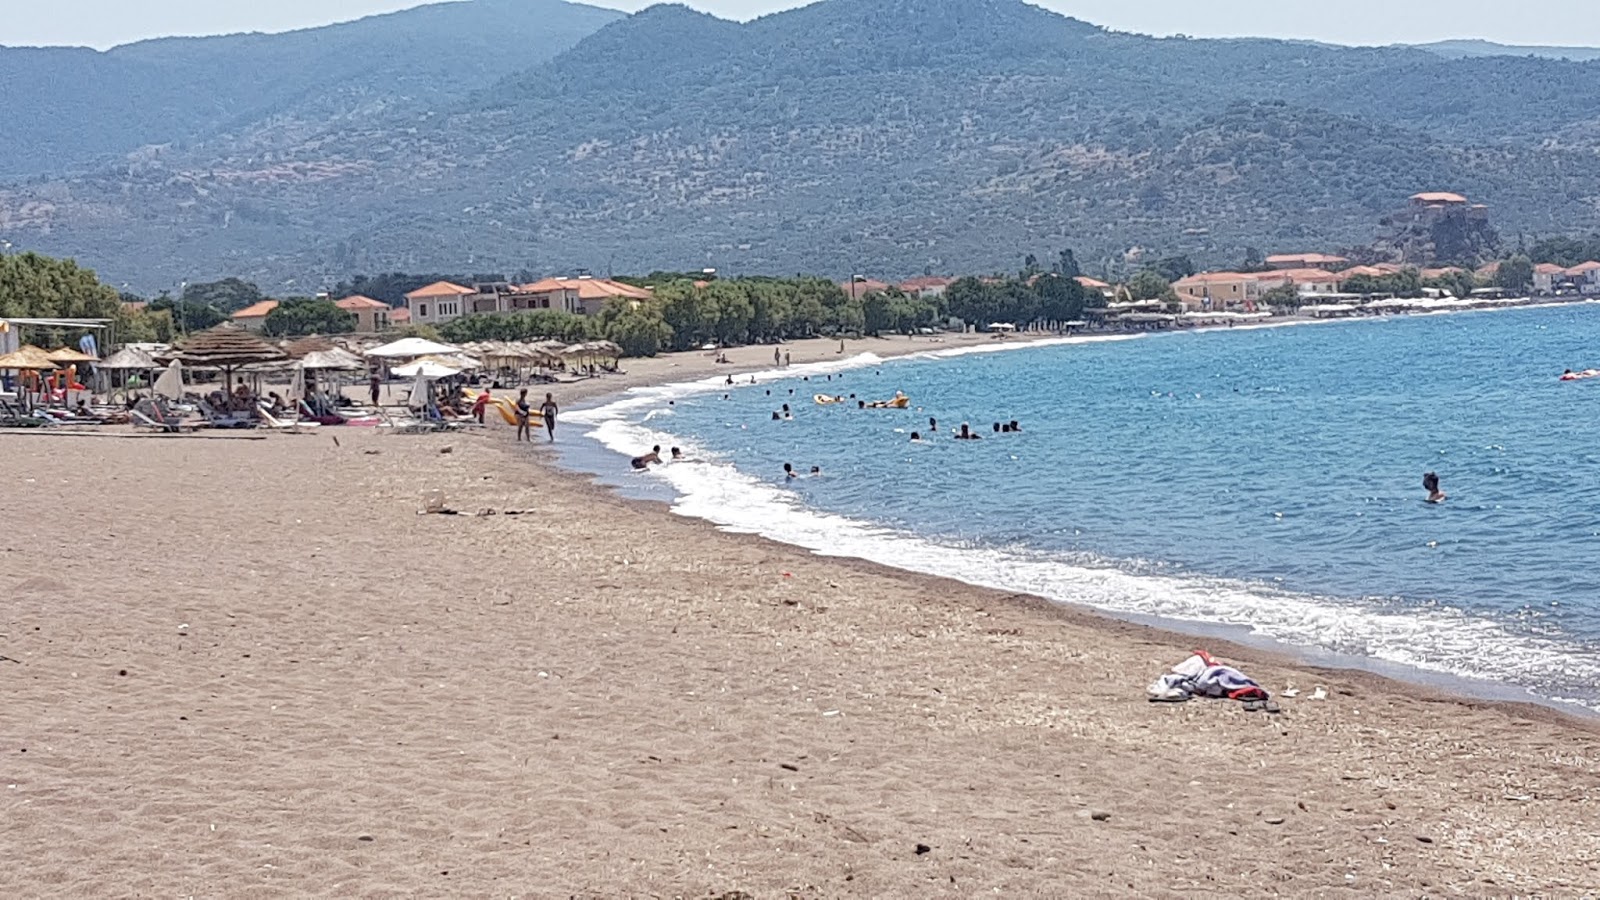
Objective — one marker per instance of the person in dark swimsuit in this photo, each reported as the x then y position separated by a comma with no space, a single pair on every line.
548,411
524,417
640,463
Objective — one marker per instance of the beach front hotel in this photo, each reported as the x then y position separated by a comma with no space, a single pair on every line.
445,301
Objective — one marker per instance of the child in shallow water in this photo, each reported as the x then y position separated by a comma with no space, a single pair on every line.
1430,483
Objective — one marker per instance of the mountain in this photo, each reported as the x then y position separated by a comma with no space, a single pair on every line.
69,108
1464,49
887,136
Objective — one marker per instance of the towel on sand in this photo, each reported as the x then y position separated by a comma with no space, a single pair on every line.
1202,676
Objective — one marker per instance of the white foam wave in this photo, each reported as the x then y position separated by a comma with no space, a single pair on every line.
1436,639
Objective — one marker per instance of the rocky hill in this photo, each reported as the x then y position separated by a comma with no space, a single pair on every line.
884,135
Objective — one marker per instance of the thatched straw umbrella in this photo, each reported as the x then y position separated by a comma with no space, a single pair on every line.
303,347
128,359
27,359
227,348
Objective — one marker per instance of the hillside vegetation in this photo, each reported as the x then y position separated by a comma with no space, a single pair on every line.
887,136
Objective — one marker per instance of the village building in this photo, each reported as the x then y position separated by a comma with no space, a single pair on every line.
1306,282
1219,291
372,316
1306,261
254,317
927,287
438,303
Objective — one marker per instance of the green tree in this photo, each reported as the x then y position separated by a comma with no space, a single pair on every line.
1515,275
1175,268
1067,265
877,313
1254,260
187,317
1151,285
299,316
638,329
1284,296
1061,298
1459,283
227,296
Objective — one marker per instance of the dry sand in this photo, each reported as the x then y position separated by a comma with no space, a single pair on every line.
253,670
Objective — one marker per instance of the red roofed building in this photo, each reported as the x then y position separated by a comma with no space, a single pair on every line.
399,317
1095,284
1438,198
254,317
1307,282
1218,291
1547,277
860,287
439,302
1305,261
372,316
927,287
1585,276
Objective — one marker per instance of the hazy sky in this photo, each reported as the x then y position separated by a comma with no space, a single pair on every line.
103,23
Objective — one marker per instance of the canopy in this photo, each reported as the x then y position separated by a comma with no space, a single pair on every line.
28,358
328,360
128,359
425,370
226,347
411,348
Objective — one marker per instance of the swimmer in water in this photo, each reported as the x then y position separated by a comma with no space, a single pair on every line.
676,454
1430,483
916,437
1015,428
933,425
967,434
640,463
997,428
816,471
789,473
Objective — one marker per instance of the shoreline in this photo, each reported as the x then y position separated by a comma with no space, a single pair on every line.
1236,635
262,672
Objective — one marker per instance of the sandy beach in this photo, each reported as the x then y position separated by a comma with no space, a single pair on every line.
254,670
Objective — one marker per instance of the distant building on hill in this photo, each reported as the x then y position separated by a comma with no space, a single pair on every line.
927,287
1436,228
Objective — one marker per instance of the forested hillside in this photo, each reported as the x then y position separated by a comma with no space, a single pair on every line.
888,136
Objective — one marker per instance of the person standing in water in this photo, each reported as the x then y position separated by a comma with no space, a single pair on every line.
548,411
777,358
1430,483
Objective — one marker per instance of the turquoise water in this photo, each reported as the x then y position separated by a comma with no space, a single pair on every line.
1264,478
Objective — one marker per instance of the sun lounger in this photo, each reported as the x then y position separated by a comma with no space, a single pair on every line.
230,419
152,413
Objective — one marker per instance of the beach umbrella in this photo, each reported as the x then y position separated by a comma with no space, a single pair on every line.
67,355
226,348
128,359
410,348
333,359
424,369
170,384
302,347
297,389
421,394
27,359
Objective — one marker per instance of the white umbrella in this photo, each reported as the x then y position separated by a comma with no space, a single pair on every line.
297,389
427,370
170,384
411,348
421,393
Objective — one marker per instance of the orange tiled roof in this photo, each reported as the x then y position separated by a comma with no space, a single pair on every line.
543,286
1549,269
1438,197
925,282
1219,278
1584,268
1310,260
257,311
587,288
1440,273
1369,271
399,316
1095,283
1300,276
439,289
1489,270
864,286
356,302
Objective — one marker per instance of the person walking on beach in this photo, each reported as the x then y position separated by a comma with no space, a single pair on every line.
479,405
788,359
524,414
548,411
373,384
777,360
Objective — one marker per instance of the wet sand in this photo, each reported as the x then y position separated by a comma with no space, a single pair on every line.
249,668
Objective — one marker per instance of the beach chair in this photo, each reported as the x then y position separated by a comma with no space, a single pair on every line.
152,413
217,419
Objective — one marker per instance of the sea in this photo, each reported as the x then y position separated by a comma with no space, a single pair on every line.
1261,483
